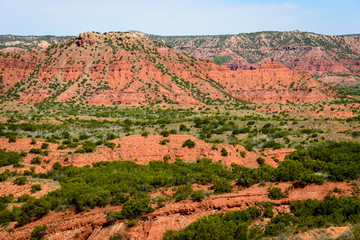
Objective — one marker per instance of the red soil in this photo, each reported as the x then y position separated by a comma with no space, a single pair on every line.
141,150
8,187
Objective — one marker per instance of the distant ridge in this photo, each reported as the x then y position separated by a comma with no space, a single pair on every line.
317,54
129,68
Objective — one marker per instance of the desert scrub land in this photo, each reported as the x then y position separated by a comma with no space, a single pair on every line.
260,126
134,161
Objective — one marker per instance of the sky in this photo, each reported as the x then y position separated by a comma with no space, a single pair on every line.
180,17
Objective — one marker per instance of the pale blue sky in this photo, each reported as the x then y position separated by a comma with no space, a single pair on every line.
185,17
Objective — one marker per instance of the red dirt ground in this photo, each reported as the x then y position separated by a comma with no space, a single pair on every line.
142,150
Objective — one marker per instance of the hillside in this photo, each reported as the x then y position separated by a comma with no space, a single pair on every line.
107,68
129,68
317,54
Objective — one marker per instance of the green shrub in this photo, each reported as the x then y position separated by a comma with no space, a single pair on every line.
165,133
164,141
198,195
136,206
232,225
224,153
160,201
119,198
36,160
166,158
23,154
56,166
267,208
182,192
8,158
6,199
80,150
223,187
20,180
145,134
35,151
35,188
110,136
116,236
110,145
131,223
189,143
276,193
45,153
61,147
88,146
44,145
260,160
83,137
39,232
24,198
183,128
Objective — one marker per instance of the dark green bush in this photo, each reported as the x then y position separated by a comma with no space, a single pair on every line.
35,188
44,145
116,236
164,141
20,180
182,192
36,160
183,128
56,166
8,158
119,198
222,187
165,133
232,225
267,208
110,145
145,134
35,151
198,195
260,160
39,232
276,193
88,146
23,198
189,143
136,206
224,153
